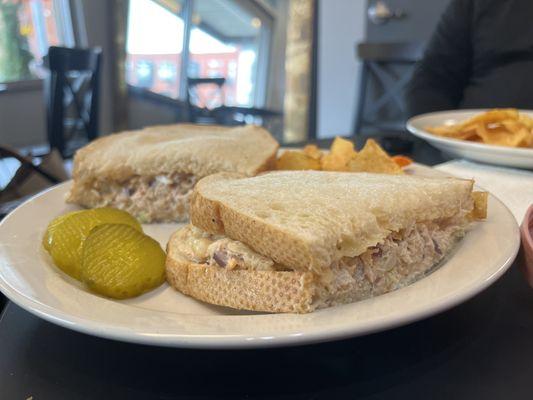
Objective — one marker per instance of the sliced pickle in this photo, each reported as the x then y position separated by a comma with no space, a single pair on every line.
64,239
121,262
52,226
109,215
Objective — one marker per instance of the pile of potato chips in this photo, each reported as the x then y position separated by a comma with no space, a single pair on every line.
502,127
343,157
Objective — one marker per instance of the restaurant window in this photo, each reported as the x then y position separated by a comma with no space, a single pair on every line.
27,29
226,38
154,45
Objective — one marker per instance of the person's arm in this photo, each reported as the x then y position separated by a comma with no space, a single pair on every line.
440,77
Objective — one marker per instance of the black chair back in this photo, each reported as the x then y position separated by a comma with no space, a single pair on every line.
71,96
386,69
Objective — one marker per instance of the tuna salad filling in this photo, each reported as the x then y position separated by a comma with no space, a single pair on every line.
402,258
161,198
399,260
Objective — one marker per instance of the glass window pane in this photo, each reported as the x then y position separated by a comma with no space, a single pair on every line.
27,29
225,42
154,45
52,34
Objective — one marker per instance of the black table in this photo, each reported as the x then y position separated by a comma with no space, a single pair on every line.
481,349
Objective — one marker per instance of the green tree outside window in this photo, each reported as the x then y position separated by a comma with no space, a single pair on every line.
14,50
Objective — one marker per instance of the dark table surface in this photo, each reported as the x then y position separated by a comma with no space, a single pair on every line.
481,349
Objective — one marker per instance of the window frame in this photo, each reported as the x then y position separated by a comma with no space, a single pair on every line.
21,85
264,47
64,22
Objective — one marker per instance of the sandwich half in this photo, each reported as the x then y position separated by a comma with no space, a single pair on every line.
151,172
296,241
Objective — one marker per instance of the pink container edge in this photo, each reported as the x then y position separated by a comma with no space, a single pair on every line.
526,256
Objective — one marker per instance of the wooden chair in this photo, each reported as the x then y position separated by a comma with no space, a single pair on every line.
71,96
23,176
386,70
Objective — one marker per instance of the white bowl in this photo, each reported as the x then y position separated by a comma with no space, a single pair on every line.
491,154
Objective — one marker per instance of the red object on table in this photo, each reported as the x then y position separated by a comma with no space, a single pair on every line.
526,231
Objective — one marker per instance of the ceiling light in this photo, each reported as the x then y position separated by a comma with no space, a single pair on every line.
256,23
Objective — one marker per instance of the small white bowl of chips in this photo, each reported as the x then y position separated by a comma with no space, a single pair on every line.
497,136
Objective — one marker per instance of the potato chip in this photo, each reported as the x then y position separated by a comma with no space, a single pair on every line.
343,148
512,125
334,162
526,121
501,127
341,158
443,130
480,205
454,133
467,134
296,160
341,152
500,136
528,140
523,136
372,158
313,151
492,116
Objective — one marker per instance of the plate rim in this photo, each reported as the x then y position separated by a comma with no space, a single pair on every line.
423,134
245,341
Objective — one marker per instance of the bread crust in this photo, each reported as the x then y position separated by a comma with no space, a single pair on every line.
268,291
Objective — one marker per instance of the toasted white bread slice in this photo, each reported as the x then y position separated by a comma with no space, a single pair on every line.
120,170
270,291
309,219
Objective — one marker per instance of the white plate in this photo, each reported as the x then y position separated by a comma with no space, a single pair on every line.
508,156
168,318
